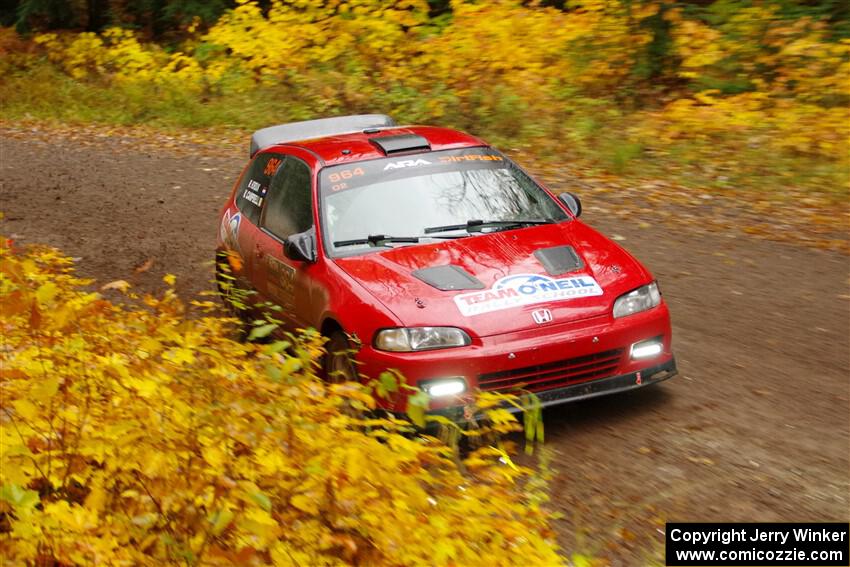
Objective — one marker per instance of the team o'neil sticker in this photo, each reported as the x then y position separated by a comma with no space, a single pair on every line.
525,289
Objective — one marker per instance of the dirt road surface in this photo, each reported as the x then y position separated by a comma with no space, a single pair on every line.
755,428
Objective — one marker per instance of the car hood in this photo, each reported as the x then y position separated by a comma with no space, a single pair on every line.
512,281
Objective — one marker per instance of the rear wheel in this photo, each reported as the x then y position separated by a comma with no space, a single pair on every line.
338,364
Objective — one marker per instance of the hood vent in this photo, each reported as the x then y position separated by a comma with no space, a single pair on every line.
559,260
448,278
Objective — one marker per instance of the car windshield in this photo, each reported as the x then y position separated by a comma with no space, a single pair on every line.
395,201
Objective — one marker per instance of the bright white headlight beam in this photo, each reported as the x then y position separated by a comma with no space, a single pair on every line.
646,349
445,388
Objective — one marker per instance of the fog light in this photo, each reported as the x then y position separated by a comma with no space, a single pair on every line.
646,349
445,387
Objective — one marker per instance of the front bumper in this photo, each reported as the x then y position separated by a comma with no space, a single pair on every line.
586,390
543,360
612,385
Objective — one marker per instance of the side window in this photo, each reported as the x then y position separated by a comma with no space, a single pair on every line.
289,205
255,184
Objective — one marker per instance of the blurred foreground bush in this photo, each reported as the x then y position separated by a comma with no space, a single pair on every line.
132,434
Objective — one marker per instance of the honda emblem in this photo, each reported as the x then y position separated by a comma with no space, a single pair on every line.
542,316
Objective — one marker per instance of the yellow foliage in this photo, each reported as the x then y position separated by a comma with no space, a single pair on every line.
515,70
133,435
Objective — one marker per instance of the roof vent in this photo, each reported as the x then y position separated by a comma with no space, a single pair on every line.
401,143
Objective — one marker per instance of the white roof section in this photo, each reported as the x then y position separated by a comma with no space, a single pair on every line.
309,129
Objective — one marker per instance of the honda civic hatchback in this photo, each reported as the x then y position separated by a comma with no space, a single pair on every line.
427,251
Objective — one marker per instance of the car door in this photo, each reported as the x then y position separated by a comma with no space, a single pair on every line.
287,210
241,227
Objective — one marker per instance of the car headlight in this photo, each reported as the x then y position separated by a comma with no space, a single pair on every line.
420,338
444,386
641,299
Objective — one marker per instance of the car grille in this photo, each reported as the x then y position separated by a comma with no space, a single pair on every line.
554,374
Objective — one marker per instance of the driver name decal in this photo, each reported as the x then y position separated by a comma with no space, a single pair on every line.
526,289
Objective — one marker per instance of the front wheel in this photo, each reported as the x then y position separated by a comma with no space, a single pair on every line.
338,364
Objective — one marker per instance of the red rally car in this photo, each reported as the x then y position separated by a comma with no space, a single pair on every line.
425,250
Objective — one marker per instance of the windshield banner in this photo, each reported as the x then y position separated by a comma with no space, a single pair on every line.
357,174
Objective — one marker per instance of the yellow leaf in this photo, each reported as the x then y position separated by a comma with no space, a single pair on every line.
180,355
46,292
144,386
26,409
45,389
119,285
96,499
305,504
416,414
170,279
214,456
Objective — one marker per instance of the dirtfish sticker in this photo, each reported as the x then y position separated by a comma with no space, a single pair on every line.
526,289
229,230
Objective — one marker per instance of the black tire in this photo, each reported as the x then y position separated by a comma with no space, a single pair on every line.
337,364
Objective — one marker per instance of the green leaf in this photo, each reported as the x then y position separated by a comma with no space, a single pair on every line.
416,406
419,399
262,500
221,521
274,373
22,499
540,430
276,347
530,425
261,331
388,382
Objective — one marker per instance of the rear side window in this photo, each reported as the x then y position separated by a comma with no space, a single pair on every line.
289,205
255,185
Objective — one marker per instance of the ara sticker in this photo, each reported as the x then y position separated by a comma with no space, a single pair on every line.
406,163
526,289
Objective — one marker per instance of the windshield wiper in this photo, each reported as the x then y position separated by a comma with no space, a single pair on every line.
375,239
475,225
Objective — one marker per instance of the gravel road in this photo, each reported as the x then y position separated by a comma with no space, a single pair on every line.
755,427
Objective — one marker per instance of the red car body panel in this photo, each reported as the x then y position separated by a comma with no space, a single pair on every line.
363,294
489,257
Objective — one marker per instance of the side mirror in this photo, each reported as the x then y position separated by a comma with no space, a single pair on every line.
301,246
572,202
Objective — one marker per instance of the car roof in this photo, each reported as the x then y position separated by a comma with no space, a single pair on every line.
357,146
